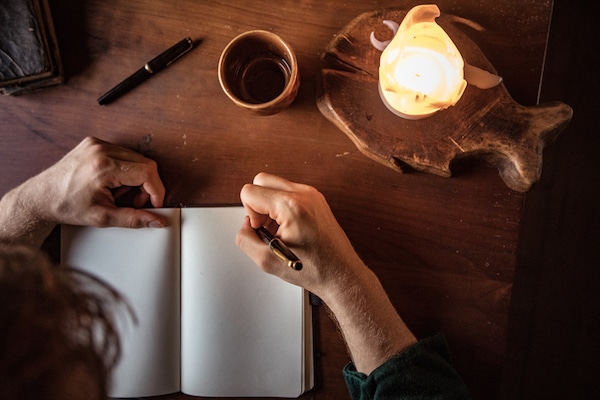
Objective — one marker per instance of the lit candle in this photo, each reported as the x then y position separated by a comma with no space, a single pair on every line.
421,70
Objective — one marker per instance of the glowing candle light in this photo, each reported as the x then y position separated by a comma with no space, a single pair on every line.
421,70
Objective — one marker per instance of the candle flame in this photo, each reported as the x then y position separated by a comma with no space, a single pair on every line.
421,70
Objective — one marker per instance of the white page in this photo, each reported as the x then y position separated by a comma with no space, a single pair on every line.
143,265
242,329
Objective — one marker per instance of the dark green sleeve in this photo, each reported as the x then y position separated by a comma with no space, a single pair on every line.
422,371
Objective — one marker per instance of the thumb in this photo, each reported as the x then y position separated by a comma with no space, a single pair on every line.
127,217
249,242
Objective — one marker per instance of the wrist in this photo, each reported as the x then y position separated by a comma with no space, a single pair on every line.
348,284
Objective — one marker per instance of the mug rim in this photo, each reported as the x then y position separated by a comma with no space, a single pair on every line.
290,84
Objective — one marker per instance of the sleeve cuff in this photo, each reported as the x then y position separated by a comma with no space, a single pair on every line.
421,371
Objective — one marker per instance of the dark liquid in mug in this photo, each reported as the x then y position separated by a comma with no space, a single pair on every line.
263,77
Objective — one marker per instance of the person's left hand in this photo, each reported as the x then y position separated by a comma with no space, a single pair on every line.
81,189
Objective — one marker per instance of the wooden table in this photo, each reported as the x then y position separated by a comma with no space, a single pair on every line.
444,248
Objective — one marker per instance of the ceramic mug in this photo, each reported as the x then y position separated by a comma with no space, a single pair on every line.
258,71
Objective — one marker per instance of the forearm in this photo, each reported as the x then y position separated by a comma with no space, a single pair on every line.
20,222
372,329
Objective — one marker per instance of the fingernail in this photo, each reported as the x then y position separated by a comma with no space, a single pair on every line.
156,224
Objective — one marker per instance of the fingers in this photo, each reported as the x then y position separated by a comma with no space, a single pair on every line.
118,166
127,171
270,199
83,187
127,168
274,182
249,242
142,174
125,196
259,203
134,218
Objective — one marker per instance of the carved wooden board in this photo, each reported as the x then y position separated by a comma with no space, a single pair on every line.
487,123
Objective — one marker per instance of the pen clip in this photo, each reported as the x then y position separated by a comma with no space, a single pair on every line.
169,56
190,46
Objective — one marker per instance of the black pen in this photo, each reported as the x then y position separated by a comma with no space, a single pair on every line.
153,66
279,248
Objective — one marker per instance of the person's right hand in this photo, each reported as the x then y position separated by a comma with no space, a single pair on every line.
301,218
299,215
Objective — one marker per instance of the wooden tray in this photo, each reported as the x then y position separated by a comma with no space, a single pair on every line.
487,124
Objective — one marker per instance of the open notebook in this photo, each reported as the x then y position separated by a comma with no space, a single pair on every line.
210,322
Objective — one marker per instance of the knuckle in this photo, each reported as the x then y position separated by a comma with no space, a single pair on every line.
100,162
239,240
98,157
100,218
93,145
295,203
260,177
132,222
149,167
89,140
247,187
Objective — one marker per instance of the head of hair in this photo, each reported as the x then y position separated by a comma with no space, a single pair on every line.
57,329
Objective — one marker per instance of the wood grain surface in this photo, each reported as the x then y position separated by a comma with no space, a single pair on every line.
444,249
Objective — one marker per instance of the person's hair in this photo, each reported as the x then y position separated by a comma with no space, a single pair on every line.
57,329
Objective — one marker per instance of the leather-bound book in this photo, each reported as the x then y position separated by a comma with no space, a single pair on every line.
29,56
